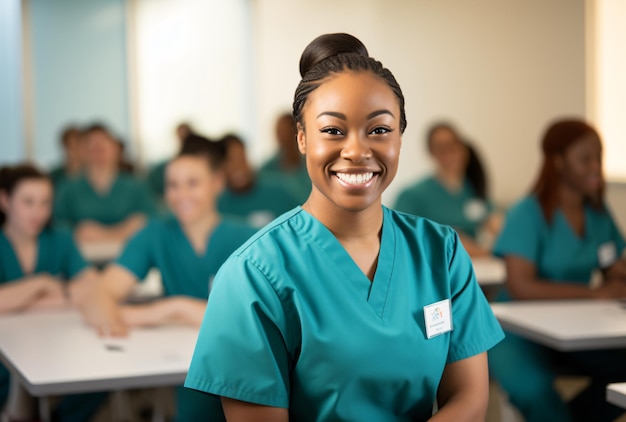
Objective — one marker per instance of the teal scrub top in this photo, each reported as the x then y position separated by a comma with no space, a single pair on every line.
268,198
558,253
59,176
156,178
462,210
77,201
57,255
299,176
301,326
162,244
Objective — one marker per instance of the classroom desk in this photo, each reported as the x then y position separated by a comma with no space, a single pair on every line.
489,271
100,252
616,394
566,325
55,353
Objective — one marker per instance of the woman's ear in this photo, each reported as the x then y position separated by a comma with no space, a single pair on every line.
301,138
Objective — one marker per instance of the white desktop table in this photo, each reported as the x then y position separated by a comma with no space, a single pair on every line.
100,252
55,353
616,394
566,325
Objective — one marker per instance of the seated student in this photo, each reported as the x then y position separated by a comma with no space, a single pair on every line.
71,141
188,248
257,199
456,194
104,204
156,175
552,242
288,162
40,267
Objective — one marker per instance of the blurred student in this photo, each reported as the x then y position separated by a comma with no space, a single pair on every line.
552,242
187,247
40,268
73,156
288,162
257,199
156,175
103,204
456,194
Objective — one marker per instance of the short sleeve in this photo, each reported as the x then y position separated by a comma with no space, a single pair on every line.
475,329
145,200
242,350
521,234
74,261
136,256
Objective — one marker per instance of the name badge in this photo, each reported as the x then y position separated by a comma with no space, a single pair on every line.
607,254
438,318
475,209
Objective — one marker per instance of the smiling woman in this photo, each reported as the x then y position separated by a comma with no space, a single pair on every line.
320,318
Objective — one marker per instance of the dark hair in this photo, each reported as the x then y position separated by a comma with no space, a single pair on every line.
196,145
560,136
68,132
474,170
11,176
98,127
334,53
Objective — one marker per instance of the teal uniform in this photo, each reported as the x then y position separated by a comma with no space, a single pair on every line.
156,178
58,256
59,177
299,175
77,201
163,245
268,198
301,326
462,210
525,369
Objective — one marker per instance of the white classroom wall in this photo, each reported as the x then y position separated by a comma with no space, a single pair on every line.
500,70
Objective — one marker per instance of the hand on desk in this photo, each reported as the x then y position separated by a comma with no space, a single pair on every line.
104,315
611,288
51,293
176,309
617,270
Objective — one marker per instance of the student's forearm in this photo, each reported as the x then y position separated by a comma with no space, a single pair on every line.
128,227
23,293
473,248
538,289
182,310
461,409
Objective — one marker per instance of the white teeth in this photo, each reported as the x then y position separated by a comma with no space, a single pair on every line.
355,179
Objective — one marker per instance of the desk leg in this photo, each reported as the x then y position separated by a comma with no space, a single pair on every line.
44,409
121,406
159,398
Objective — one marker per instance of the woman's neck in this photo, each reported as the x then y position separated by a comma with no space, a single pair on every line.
17,237
570,199
101,177
348,226
199,231
451,180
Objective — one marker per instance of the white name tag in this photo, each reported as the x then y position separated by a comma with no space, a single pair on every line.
607,254
475,209
438,318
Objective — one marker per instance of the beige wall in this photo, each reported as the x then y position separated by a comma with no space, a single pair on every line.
616,197
500,70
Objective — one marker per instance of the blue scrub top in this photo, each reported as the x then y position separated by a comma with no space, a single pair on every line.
301,326
162,244
77,201
558,253
268,198
57,255
429,198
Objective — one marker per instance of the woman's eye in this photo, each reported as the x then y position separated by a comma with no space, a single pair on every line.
331,131
380,130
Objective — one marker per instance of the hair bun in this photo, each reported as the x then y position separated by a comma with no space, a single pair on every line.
329,45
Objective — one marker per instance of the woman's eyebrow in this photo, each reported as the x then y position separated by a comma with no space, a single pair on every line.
343,116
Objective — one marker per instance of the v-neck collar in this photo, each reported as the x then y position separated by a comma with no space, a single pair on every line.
20,273
564,221
187,242
373,292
